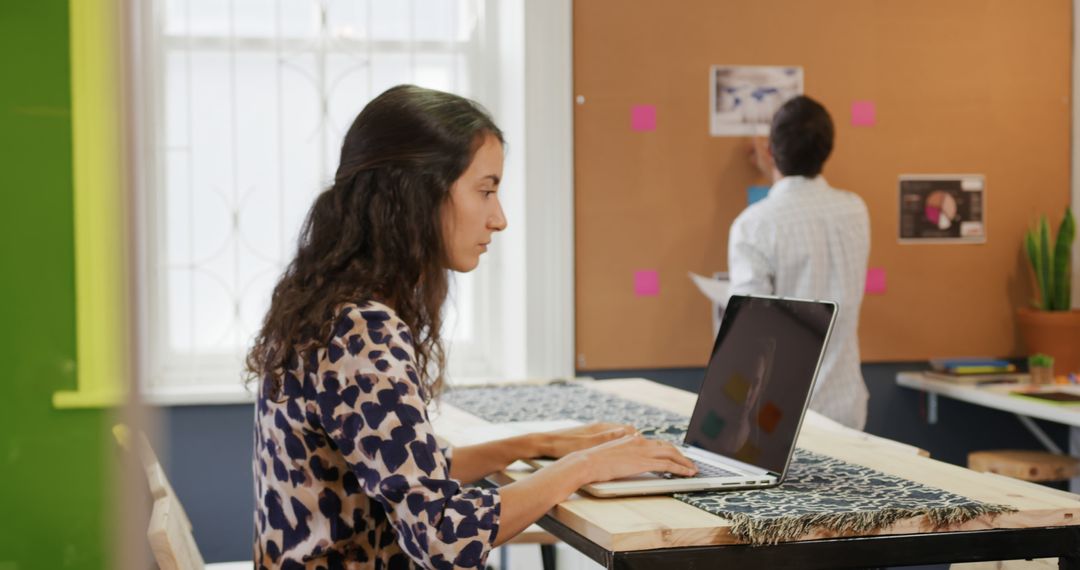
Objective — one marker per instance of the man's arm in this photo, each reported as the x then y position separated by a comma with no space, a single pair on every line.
762,159
749,268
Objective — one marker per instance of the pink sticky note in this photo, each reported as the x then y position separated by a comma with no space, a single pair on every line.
643,118
646,283
875,281
863,113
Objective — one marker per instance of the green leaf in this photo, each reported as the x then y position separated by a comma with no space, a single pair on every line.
1032,247
1040,359
1062,257
1046,260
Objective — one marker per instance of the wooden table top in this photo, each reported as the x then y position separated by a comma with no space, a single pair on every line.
642,523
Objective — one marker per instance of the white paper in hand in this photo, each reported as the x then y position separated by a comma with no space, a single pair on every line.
716,290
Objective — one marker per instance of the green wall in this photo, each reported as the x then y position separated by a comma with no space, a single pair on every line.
52,463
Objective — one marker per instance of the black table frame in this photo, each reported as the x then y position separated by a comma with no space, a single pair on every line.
1062,542
877,551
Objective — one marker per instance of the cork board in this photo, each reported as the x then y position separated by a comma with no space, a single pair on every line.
965,86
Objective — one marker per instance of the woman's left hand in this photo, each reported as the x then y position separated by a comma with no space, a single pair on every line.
563,442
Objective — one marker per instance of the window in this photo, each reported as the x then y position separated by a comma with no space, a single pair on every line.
242,108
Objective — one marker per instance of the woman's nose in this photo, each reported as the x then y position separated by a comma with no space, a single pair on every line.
497,221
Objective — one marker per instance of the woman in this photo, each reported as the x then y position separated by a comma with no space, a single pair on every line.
347,469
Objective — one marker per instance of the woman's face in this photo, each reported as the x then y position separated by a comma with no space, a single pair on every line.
472,212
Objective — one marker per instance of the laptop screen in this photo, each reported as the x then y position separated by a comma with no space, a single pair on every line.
759,379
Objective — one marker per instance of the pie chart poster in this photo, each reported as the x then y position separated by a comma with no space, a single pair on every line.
942,209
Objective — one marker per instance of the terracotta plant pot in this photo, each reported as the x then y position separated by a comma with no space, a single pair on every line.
1056,333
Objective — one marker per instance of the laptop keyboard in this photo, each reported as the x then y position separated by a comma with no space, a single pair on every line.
705,470
709,470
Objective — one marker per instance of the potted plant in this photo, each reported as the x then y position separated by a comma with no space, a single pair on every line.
1041,367
1051,326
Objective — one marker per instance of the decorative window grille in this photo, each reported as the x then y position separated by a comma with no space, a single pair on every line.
247,102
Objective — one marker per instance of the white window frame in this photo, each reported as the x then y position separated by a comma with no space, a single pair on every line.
534,303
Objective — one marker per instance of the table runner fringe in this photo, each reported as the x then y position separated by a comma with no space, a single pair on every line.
758,531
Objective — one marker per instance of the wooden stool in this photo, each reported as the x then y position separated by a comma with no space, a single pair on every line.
1025,465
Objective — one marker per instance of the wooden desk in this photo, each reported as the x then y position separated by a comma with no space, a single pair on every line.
996,396
652,532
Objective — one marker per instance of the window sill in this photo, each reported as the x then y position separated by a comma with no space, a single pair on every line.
197,396
238,394
84,400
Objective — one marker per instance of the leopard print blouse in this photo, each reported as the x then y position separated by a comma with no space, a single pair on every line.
347,470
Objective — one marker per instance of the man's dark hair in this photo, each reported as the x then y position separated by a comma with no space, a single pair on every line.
801,137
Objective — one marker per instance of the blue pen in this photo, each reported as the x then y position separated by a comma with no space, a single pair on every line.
1073,379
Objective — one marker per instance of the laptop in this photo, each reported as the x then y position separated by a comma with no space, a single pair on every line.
752,400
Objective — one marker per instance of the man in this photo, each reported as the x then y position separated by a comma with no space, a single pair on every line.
811,241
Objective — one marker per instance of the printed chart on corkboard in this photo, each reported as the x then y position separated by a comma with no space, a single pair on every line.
665,99
942,209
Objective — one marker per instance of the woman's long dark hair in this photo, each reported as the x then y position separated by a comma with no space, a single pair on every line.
376,234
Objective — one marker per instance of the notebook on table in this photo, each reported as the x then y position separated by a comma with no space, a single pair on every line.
1054,396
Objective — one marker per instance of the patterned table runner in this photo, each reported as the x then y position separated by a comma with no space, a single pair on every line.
820,492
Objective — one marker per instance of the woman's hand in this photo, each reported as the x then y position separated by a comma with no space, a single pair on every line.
628,456
563,442
527,499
